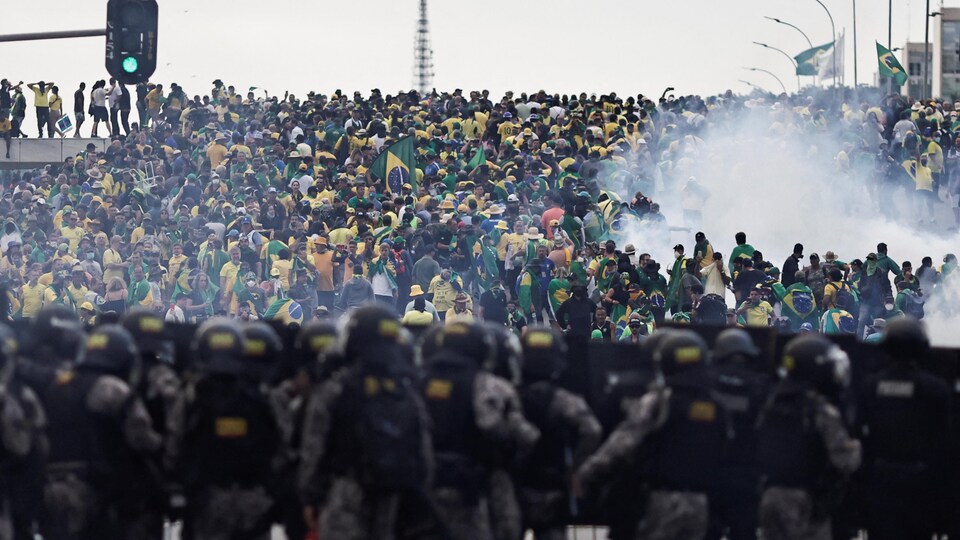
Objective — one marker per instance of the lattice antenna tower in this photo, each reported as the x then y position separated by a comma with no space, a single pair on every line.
423,53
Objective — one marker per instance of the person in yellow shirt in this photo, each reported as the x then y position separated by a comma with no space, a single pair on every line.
6,130
755,310
32,293
175,263
324,263
140,231
41,102
229,273
217,152
459,312
113,263
72,233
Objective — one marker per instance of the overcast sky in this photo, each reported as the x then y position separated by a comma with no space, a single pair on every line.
627,46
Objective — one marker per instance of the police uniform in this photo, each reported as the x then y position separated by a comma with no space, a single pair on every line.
472,426
803,449
99,430
667,431
159,388
569,434
224,439
742,389
904,420
344,462
22,442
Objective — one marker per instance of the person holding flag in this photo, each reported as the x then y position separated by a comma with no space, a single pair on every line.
396,165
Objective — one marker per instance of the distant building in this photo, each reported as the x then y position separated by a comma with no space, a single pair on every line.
945,51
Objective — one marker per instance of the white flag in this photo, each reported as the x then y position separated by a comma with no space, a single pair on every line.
825,60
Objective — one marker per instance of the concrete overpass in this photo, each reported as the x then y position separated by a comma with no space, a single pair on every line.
31,153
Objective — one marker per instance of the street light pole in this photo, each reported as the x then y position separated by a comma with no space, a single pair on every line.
855,82
790,58
770,74
802,33
926,51
890,40
833,30
754,86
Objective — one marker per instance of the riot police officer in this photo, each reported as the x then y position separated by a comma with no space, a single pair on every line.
741,386
366,447
569,434
904,422
670,430
52,345
226,439
804,452
23,444
99,430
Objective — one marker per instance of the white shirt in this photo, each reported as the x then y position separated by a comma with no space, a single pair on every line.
713,284
99,97
115,93
381,285
175,314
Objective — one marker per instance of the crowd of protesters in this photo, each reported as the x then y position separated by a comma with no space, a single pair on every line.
531,208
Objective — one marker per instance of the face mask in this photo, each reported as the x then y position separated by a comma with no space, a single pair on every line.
90,255
677,254
251,283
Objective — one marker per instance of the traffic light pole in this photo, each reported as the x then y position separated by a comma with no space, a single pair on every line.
53,35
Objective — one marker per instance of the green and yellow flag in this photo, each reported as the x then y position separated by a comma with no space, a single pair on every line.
808,60
396,165
889,66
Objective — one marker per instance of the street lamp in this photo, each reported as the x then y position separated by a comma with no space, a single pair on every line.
926,49
751,85
770,74
790,58
833,32
785,23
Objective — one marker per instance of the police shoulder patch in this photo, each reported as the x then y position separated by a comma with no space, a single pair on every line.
895,389
439,389
230,427
702,411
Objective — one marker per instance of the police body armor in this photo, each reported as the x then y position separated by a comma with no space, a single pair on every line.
547,465
740,390
82,442
695,423
790,450
231,433
448,391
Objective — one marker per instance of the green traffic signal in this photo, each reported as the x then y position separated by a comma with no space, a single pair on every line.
130,64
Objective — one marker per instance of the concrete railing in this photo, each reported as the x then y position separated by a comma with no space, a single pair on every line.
26,153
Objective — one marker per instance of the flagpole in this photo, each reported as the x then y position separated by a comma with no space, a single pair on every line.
890,39
833,30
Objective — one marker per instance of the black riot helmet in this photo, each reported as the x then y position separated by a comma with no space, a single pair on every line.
312,346
261,350
373,336
508,353
681,350
218,347
734,345
905,339
469,340
815,361
149,331
110,349
57,331
544,354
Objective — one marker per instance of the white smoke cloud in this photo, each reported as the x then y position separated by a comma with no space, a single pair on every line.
782,185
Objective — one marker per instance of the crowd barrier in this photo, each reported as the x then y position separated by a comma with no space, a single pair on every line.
28,153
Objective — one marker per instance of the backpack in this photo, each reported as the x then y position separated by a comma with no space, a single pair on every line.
844,299
913,305
803,303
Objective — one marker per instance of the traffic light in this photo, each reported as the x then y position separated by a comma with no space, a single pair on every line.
131,55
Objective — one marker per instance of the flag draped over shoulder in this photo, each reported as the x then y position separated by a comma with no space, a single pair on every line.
889,66
397,165
808,60
284,310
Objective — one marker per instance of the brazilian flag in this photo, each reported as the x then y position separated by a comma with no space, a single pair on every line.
396,165
889,66
808,60
285,310
478,159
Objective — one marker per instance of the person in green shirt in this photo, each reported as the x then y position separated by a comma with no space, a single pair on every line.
743,250
674,290
797,302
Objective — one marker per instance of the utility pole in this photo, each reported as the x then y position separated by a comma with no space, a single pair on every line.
926,51
855,80
890,41
423,53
